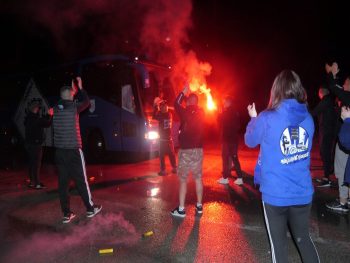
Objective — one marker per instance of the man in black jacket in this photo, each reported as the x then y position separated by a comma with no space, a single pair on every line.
191,148
327,121
69,155
34,138
229,122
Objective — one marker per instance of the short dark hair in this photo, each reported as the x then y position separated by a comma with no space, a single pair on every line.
35,102
229,98
194,97
65,87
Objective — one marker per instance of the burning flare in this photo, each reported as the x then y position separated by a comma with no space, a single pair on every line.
197,72
197,86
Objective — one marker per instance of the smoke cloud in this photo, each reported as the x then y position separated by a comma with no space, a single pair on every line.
159,29
111,229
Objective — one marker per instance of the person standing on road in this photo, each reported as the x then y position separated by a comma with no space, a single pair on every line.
341,154
344,139
229,122
327,119
34,138
69,155
166,146
284,132
191,148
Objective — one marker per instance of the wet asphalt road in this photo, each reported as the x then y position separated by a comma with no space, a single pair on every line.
231,229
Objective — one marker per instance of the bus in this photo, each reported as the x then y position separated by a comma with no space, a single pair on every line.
121,91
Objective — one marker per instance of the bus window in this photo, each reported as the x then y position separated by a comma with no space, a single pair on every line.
102,80
112,82
128,99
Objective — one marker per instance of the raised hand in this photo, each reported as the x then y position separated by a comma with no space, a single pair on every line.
50,111
345,112
252,111
334,69
79,82
186,89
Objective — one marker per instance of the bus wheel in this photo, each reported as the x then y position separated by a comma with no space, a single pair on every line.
96,147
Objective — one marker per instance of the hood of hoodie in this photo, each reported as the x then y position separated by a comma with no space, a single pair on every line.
294,111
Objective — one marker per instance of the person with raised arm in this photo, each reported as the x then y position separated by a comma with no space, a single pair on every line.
190,156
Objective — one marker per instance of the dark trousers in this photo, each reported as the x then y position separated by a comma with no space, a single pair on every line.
71,165
35,154
230,152
327,143
277,219
166,147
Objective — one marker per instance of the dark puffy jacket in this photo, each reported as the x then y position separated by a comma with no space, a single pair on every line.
191,127
66,122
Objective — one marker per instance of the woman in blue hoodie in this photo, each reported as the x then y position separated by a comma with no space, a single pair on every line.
284,132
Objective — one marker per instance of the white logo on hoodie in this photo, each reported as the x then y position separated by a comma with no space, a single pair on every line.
294,143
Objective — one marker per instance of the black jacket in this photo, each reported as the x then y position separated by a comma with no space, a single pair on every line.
191,127
229,122
337,90
34,127
326,113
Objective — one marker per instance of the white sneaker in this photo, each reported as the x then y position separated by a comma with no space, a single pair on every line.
223,180
238,181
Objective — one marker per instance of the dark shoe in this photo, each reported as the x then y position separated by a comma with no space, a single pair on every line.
67,218
31,185
178,213
337,206
97,209
199,209
40,186
162,173
174,171
325,183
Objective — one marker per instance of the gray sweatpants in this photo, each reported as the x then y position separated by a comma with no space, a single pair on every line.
340,160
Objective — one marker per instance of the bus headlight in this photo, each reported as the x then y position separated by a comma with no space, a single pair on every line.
152,135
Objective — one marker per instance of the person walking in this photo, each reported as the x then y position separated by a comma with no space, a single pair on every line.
284,132
69,156
34,138
190,156
229,122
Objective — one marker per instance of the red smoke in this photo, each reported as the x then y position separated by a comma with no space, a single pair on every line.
165,36
157,28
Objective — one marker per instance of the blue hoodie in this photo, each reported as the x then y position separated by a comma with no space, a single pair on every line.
285,138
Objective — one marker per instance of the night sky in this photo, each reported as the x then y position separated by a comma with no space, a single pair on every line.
246,42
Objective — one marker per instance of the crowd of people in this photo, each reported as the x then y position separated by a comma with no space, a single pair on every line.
284,131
